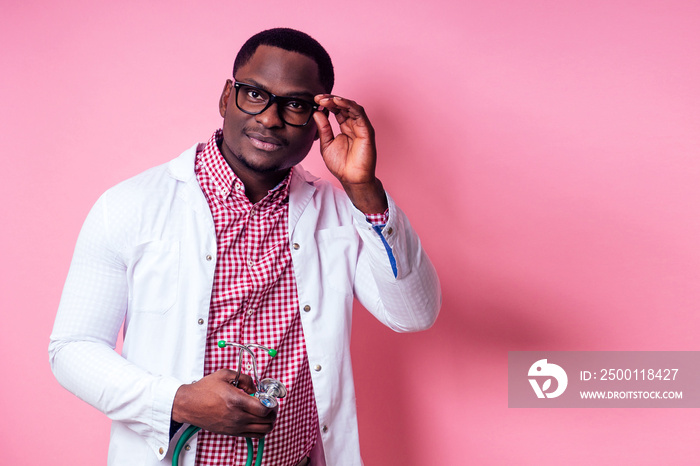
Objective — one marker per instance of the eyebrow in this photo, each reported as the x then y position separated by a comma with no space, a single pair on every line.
306,94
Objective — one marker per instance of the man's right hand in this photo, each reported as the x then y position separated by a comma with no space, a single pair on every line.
213,404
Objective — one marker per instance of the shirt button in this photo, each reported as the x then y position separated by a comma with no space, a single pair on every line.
325,429
317,368
200,321
208,257
249,366
250,312
160,450
296,246
307,308
187,447
250,262
239,186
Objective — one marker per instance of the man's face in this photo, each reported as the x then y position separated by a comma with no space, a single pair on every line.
263,143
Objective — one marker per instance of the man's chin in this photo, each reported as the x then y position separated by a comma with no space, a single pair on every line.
258,167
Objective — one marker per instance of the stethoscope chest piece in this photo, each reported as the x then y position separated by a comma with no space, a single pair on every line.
269,390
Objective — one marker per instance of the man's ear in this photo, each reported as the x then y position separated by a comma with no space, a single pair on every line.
225,94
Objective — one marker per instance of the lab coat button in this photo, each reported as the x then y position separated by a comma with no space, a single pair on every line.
317,367
200,321
160,450
209,257
389,231
307,308
325,429
187,447
296,246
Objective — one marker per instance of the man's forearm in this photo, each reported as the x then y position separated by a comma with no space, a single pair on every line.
369,198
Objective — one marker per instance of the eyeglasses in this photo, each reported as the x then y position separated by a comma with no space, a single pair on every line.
293,111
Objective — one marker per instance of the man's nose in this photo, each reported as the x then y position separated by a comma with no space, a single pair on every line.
270,118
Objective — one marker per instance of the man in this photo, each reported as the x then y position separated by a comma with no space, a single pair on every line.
234,241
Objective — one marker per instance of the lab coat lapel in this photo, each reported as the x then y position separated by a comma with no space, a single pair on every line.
301,190
182,169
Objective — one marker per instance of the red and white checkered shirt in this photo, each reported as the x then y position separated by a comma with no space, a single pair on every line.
254,300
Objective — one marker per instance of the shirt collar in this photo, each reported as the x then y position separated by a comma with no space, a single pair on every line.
227,183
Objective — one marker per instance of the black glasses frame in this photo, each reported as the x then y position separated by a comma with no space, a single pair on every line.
275,98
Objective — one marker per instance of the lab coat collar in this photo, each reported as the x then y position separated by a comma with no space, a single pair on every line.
301,188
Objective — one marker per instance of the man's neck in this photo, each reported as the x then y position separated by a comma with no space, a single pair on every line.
257,185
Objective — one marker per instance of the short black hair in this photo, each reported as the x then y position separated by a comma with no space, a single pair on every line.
293,41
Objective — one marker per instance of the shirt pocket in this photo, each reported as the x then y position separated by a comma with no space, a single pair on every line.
337,251
153,276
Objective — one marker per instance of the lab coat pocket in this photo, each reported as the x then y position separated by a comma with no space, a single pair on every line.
153,275
337,250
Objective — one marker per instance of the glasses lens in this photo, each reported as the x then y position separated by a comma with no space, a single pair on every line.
251,99
293,111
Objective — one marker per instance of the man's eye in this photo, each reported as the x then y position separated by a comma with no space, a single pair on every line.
255,95
298,106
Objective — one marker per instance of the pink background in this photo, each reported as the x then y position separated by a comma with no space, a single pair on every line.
546,151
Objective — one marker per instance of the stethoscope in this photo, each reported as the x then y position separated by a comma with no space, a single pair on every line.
268,391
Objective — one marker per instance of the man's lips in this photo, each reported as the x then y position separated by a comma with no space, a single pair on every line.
266,143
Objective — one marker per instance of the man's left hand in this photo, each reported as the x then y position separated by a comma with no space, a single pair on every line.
351,155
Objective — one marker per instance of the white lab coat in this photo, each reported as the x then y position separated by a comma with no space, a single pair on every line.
146,256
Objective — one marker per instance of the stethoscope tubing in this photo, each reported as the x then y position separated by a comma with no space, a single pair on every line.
191,430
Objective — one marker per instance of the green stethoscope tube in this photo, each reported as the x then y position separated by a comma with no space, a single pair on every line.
186,435
191,430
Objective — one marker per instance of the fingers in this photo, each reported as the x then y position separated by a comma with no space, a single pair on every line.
239,380
341,106
240,411
337,104
213,404
256,431
245,382
250,405
325,131
349,114
242,393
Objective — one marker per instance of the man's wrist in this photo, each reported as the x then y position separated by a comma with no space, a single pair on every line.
177,415
369,198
